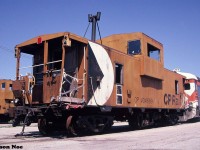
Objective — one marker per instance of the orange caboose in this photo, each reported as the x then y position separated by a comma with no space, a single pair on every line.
80,84
6,100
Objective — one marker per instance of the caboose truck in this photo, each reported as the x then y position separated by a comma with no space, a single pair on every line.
79,85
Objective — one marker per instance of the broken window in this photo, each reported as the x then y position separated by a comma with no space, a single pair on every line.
118,73
153,52
134,47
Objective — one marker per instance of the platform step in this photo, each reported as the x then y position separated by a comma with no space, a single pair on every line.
72,100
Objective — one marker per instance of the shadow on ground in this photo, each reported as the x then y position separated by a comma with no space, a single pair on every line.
113,130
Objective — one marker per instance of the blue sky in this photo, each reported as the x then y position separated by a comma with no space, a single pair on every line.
174,23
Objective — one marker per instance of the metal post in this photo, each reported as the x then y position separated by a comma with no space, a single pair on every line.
93,38
94,19
17,55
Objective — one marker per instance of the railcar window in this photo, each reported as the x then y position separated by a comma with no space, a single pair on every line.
37,71
118,73
119,94
153,52
176,87
54,55
187,86
8,101
10,87
25,61
71,59
3,86
134,47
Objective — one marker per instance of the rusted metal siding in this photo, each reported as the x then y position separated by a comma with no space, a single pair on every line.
151,68
171,99
146,84
142,91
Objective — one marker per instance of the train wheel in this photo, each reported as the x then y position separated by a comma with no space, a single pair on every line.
71,126
44,127
16,122
173,119
135,122
108,125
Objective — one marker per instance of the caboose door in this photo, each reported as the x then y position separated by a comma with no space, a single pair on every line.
52,70
74,71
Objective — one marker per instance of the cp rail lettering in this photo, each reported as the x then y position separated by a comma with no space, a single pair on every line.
170,99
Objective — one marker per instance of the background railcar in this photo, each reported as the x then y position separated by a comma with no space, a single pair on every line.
6,100
192,93
82,85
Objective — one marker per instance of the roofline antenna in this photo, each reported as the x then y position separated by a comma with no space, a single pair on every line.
94,19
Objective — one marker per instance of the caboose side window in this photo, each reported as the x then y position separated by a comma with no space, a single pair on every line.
119,96
176,87
118,73
134,47
10,87
119,82
153,52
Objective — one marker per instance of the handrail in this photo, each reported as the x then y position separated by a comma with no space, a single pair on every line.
41,72
75,88
41,64
67,75
72,90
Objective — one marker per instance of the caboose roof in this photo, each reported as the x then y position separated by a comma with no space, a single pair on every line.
5,80
120,41
188,75
129,36
47,37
